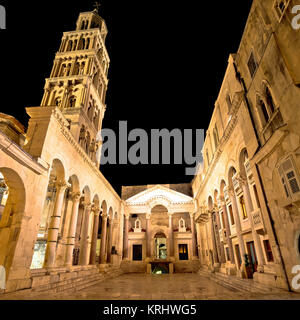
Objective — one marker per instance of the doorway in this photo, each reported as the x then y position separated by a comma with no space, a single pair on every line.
183,252
160,245
137,252
252,256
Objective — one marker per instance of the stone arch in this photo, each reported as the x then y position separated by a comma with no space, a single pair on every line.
157,202
216,196
96,200
222,186
104,207
58,168
116,216
261,110
10,220
75,185
210,203
231,172
86,195
110,212
269,95
243,156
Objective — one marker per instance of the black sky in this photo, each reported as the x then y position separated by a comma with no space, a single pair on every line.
168,61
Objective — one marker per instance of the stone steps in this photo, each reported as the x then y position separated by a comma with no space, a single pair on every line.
77,284
235,283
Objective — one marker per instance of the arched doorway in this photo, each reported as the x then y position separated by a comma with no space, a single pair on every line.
160,246
12,200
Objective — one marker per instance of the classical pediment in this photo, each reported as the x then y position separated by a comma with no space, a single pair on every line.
159,194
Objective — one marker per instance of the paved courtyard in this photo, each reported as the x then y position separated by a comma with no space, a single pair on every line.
154,287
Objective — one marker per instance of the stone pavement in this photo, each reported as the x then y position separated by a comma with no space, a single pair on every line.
154,287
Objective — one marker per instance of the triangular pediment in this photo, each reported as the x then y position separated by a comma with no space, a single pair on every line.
159,192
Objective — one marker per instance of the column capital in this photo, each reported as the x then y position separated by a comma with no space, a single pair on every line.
231,192
87,206
76,196
192,215
242,179
95,209
148,216
104,216
221,201
62,185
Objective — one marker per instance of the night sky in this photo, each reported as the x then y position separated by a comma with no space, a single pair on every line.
168,61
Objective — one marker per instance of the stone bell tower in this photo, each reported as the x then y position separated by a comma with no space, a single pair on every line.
78,81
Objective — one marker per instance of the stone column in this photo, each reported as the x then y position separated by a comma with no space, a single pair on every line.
148,236
125,239
109,245
237,225
194,248
210,262
103,239
95,235
199,242
54,225
171,236
83,256
222,253
213,238
228,232
72,230
249,209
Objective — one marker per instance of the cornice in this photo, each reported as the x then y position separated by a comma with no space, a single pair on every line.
10,147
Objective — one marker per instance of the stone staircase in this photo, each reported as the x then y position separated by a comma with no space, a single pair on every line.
237,284
68,281
81,281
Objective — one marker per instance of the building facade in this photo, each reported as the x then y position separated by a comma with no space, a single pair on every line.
61,220
248,187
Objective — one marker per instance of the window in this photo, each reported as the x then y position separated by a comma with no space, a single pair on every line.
263,109
289,178
270,100
137,252
252,64
72,102
231,215
280,7
243,207
183,252
268,250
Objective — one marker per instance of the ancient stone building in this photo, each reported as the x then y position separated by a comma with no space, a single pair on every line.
62,224
248,187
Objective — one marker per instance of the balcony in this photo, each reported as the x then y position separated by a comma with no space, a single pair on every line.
236,184
226,194
258,221
202,217
273,124
222,235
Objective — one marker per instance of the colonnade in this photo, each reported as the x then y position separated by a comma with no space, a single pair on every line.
228,228
88,232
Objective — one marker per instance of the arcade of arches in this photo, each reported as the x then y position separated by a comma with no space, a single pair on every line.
62,225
